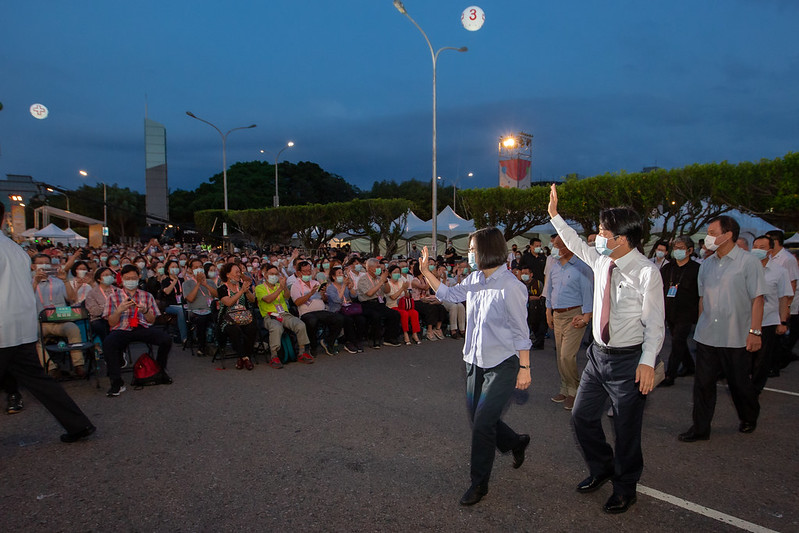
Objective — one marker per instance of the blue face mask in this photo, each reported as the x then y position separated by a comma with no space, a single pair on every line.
679,255
760,254
472,261
602,245
378,271
555,253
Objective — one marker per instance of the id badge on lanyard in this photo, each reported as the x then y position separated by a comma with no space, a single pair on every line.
672,292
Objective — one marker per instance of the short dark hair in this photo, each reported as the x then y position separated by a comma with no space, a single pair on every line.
686,240
768,237
625,222
168,265
266,267
727,224
225,270
392,268
534,240
302,264
776,235
130,267
98,274
75,266
490,246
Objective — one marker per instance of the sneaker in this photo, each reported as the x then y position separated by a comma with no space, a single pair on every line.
559,398
14,403
351,348
391,342
328,350
275,363
117,388
305,358
568,404
77,435
165,379
376,345
359,348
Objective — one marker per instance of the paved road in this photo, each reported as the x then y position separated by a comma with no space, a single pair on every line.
372,442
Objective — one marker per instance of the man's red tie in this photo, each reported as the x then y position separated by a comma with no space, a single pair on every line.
604,318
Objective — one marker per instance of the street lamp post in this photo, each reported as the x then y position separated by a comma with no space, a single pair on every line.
276,202
434,56
105,202
50,189
455,189
224,158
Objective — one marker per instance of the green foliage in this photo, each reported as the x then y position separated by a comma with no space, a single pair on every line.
518,210
418,192
126,208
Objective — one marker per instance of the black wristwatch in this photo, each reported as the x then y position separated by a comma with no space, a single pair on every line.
785,323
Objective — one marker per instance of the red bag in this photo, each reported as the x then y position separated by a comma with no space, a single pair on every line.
146,372
406,303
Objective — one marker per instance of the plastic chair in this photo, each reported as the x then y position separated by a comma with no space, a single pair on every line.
79,316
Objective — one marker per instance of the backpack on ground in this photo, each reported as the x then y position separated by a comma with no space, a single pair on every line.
146,372
287,353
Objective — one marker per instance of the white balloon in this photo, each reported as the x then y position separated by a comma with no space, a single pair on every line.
39,111
473,18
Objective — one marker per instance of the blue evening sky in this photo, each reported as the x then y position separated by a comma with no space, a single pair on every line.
603,86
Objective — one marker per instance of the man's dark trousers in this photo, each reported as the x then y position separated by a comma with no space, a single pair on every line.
679,349
736,364
22,362
332,321
488,391
611,375
118,340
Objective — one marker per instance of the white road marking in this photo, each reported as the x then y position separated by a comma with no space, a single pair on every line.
704,511
782,391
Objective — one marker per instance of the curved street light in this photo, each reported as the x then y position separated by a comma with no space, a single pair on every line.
224,157
105,202
434,56
276,200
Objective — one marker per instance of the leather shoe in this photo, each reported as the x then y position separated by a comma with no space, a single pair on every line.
747,427
667,382
518,451
591,483
473,495
691,436
77,435
619,503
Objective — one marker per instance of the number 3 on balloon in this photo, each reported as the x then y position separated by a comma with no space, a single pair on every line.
472,14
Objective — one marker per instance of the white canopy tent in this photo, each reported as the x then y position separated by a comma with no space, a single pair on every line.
53,233
76,238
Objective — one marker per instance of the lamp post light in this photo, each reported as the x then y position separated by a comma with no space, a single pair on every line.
455,188
224,158
105,201
276,200
434,56
50,189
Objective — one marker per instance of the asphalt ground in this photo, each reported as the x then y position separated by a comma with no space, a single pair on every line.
377,441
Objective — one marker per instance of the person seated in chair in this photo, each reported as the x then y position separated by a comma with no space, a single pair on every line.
199,294
51,291
96,301
130,312
271,296
308,299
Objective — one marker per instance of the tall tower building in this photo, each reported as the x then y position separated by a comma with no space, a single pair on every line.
155,171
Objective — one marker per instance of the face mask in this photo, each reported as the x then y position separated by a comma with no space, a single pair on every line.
103,258
358,268
378,271
160,270
130,284
272,279
602,245
514,251
760,254
108,280
174,271
711,244
525,277
660,254
220,265
256,265
431,268
465,271
197,271
81,273
161,257
555,253
339,279
55,261
449,268
320,277
538,250
249,269
141,265
395,276
243,259
306,279
404,270
472,261
325,266
40,266
519,257
212,274
679,255
182,262
702,253
114,262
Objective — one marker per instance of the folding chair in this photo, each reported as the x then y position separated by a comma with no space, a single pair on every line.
80,317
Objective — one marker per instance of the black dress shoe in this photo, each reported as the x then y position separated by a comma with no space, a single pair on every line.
518,451
691,436
591,483
77,435
667,382
619,503
473,495
747,427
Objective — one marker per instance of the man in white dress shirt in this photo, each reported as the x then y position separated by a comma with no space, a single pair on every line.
628,327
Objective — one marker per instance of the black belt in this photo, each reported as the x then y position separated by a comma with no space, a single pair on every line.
618,350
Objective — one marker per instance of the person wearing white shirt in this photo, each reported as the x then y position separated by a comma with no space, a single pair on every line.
628,328
775,312
785,343
660,258
19,332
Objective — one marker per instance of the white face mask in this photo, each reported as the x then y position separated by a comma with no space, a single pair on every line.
602,245
679,254
81,273
212,274
760,253
711,244
141,265
660,254
472,260
555,253
130,284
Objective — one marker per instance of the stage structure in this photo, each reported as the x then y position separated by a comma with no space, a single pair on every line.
515,160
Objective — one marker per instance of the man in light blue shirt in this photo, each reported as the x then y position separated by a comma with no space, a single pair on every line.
569,297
